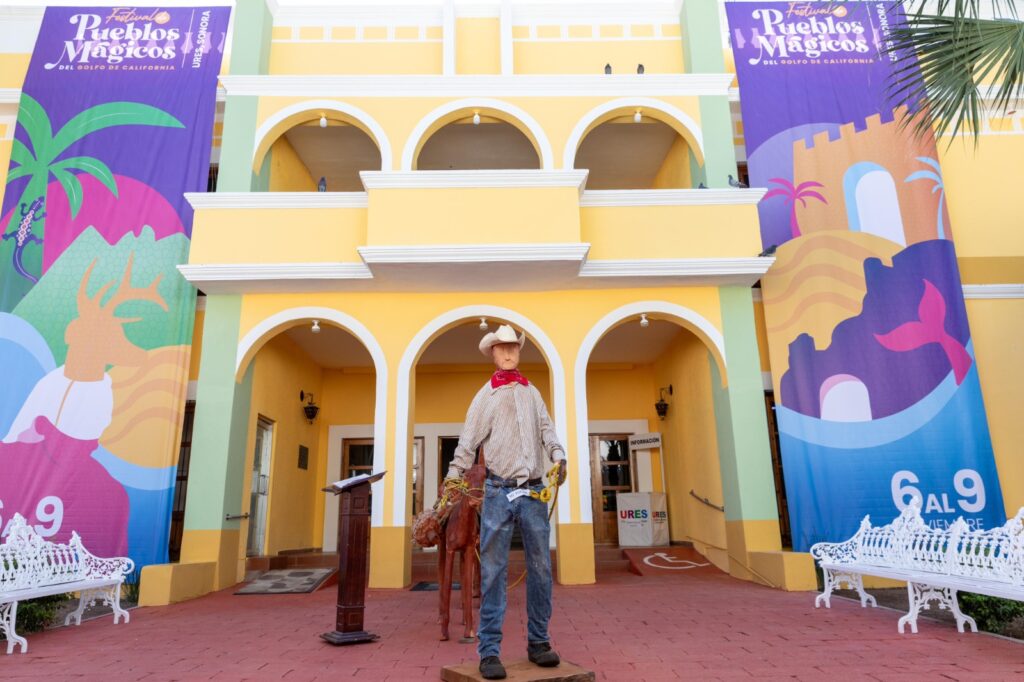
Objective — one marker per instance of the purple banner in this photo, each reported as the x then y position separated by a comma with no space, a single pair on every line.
114,126
877,390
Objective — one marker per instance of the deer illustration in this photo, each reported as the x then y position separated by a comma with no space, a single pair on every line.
96,337
78,397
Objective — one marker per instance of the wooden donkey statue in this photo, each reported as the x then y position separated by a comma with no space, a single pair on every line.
461,533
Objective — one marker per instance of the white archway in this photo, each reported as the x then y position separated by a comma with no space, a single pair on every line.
547,159
353,326
412,353
703,328
328,105
645,103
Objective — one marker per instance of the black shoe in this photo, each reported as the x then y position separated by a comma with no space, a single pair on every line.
491,668
542,654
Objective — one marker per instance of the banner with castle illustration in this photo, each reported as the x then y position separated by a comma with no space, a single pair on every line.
114,125
876,384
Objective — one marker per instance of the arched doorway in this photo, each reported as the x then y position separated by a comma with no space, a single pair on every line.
444,369
294,360
627,363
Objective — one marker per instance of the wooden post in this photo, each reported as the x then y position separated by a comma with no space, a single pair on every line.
353,559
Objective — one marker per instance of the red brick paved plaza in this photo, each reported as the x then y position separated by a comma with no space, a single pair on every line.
702,625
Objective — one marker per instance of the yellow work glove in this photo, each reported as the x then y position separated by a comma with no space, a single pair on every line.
563,470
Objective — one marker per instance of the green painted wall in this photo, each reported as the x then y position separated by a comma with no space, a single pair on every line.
702,51
221,422
744,452
250,54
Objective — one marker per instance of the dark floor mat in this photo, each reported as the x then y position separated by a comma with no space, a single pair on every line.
425,586
288,581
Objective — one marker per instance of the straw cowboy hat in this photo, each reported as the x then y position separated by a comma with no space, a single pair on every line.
505,334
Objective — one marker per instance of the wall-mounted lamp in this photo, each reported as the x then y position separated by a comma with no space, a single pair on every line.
644,322
483,324
316,327
640,69
637,117
310,408
476,118
323,120
661,407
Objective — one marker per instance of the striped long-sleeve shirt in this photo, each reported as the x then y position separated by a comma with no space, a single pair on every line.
512,424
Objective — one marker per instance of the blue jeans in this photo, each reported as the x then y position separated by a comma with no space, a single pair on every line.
497,519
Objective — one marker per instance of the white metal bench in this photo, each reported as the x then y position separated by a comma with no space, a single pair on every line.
935,563
31,566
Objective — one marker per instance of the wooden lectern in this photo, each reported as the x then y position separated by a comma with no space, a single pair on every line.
353,558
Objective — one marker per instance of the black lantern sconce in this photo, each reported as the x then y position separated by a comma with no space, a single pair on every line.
310,408
661,407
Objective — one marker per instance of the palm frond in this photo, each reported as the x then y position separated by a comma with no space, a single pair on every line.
34,119
72,188
93,167
923,175
944,62
21,155
106,116
784,182
19,172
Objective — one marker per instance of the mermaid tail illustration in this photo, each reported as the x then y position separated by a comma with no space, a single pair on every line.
929,328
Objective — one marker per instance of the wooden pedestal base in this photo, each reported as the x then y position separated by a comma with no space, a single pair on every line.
339,638
520,671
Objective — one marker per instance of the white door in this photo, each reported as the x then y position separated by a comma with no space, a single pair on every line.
260,484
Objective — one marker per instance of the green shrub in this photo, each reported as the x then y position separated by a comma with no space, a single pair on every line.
132,582
36,614
993,614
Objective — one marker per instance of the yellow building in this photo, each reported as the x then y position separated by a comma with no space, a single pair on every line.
562,167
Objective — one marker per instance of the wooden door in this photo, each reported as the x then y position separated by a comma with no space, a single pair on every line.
611,472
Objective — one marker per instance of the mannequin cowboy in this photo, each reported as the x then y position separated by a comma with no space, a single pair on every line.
509,419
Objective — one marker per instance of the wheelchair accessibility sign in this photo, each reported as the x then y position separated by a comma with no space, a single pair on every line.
668,562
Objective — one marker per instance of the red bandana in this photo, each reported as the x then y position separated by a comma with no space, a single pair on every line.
507,376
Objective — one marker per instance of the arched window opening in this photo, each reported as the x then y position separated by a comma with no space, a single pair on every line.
626,153
324,154
478,142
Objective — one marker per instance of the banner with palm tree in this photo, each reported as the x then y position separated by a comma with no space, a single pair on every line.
876,385
114,125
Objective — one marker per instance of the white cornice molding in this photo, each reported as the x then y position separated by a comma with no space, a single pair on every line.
472,179
286,200
10,95
677,267
993,291
671,197
256,272
419,11
474,253
597,85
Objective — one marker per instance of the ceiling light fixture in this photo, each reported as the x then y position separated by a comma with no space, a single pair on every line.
483,324
316,327
323,120
644,322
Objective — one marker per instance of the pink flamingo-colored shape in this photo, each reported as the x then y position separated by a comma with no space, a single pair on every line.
794,193
930,327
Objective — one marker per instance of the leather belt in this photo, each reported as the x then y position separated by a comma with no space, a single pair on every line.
511,482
